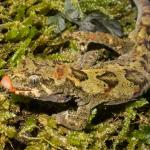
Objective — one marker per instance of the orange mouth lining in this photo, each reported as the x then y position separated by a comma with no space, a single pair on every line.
7,84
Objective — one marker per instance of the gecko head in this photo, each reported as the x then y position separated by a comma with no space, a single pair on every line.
37,78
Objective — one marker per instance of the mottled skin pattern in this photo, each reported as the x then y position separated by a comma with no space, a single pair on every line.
84,38
92,44
113,82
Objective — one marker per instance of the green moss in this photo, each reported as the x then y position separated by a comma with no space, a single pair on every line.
79,139
20,52
29,126
109,7
46,120
2,63
129,116
5,115
37,146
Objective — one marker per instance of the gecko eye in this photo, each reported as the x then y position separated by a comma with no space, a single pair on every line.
34,79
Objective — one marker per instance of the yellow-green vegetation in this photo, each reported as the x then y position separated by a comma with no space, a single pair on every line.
110,7
34,27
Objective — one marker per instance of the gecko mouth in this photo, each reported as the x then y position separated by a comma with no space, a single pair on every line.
28,92
7,84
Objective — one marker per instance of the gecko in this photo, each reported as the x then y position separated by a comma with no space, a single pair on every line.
113,82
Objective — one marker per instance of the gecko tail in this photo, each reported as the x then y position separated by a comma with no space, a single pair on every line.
143,21
143,7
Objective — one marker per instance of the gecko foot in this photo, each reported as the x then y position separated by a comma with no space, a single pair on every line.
75,120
